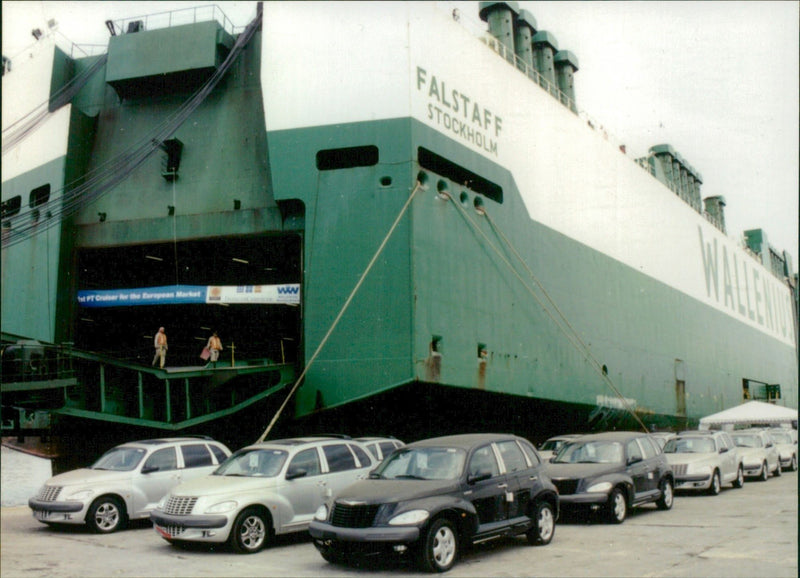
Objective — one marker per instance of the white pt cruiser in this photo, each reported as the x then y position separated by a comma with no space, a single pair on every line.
261,490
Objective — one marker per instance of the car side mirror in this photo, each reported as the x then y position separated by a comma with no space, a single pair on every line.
769,445
294,474
479,476
552,459
723,450
634,460
150,469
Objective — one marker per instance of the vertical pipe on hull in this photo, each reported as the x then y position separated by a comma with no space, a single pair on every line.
523,33
566,64
500,17
545,46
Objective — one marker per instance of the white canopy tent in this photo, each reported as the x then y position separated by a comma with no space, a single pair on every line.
750,413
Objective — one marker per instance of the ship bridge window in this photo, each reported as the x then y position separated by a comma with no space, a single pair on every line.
11,206
40,195
347,158
456,173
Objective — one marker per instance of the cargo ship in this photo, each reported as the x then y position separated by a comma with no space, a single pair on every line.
435,239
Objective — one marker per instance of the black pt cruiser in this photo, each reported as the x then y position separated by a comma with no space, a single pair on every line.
611,472
433,497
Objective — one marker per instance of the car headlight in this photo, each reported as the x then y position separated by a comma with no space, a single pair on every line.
81,495
322,513
410,517
602,487
162,502
222,507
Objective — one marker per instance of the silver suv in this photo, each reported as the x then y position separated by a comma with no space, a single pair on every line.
786,441
704,460
262,490
759,454
125,483
380,447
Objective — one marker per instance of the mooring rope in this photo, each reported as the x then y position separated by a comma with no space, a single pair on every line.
569,332
341,312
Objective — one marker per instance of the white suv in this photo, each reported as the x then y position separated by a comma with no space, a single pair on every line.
125,483
704,460
262,490
759,454
786,441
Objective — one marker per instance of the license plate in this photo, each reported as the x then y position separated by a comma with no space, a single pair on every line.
41,514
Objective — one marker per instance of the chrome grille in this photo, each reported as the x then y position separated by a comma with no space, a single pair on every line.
180,506
679,469
346,516
566,487
49,493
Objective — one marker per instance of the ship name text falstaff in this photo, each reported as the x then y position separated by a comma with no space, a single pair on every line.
457,112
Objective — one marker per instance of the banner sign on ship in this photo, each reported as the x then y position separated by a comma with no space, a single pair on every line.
287,294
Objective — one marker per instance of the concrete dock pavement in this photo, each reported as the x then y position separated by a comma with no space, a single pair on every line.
752,531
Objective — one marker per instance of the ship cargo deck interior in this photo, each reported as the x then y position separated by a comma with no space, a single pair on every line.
256,331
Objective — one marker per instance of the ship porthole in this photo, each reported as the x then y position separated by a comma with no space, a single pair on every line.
441,188
478,203
386,181
464,198
422,179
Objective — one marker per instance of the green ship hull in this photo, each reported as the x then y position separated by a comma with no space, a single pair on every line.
432,297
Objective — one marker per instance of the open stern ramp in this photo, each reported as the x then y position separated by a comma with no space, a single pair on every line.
93,386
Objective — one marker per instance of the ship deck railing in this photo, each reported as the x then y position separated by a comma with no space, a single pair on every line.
479,31
90,385
168,19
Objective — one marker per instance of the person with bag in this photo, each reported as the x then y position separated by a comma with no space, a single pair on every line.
160,343
213,347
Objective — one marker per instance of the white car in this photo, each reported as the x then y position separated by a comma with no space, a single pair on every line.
380,447
125,483
759,454
786,441
262,490
704,460
662,437
551,447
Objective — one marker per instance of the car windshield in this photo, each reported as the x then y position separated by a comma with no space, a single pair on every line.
781,438
593,452
120,459
690,446
423,464
264,463
748,441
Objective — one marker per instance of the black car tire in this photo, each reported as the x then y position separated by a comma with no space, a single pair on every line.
778,472
249,532
739,481
716,485
667,495
764,475
617,506
332,555
438,547
106,515
793,464
544,525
